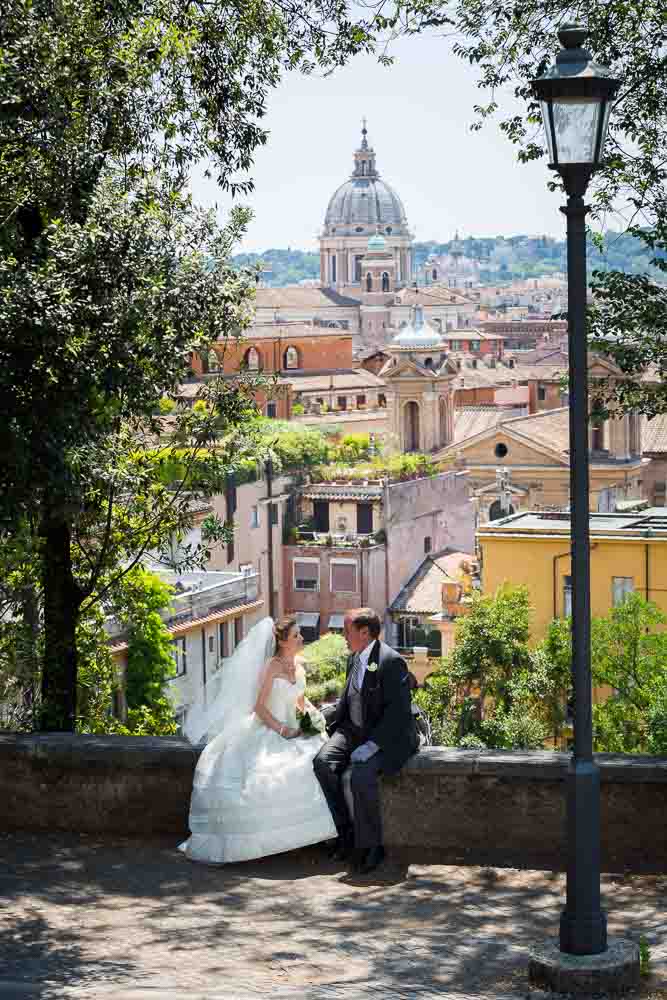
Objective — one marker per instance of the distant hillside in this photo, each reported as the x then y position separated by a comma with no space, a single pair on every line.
500,258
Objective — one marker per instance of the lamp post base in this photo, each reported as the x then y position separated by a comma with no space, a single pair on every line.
583,934
613,971
583,924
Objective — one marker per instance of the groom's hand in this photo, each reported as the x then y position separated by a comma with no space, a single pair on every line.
364,752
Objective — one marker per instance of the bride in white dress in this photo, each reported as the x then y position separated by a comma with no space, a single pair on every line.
255,792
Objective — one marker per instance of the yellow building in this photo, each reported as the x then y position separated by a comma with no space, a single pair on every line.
628,553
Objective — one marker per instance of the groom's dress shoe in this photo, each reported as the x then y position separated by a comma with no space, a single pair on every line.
373,857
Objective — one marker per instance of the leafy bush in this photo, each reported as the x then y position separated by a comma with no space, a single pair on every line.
325,658
325,664
352,448
395,467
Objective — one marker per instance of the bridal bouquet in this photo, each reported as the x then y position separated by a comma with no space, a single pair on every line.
311,721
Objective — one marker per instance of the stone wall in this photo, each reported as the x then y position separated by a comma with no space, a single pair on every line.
448,806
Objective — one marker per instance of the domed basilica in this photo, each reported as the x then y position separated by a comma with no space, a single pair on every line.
366,257
365,206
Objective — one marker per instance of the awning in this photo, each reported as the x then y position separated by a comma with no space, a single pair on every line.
336,621
307,620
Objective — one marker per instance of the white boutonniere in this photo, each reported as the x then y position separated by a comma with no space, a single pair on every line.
372,667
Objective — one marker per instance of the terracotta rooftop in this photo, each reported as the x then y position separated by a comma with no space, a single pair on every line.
471,420
300,297
231,611
350,380
550,428
431,295
422,594
654,435
343,491
471,334
271,331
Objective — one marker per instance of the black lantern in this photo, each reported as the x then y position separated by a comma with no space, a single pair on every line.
576,97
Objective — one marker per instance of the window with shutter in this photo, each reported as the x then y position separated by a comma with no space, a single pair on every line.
567,596
223,640
306,575
344,577
621,586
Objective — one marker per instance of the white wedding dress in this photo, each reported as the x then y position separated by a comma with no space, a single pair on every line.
255,792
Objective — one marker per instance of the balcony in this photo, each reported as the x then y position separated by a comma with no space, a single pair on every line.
333,539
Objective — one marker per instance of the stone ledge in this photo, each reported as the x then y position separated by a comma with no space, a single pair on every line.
174,751
448,806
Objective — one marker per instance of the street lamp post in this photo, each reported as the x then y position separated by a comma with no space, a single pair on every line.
575,97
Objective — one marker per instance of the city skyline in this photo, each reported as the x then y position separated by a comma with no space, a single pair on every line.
419,113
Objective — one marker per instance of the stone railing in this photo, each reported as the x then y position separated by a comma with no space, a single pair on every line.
450,806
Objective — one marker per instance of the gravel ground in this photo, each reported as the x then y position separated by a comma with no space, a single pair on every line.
82,917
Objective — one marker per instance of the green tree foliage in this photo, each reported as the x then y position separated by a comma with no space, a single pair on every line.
493,690
110,280
508,45
150,662
352,448
502,258
287,267
628,656
325,662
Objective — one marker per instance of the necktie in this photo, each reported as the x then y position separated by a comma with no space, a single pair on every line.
357,674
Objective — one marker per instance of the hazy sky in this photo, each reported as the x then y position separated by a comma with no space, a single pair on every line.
419,113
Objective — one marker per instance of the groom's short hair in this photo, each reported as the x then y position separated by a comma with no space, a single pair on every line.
366,618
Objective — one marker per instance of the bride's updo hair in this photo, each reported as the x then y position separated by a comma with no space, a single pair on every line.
282,629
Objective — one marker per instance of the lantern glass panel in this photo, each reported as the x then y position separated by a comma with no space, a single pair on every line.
548,131
575,130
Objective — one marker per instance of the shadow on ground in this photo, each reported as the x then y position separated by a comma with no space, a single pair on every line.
78,911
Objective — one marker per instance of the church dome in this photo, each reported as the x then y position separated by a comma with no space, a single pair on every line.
364,201
417,336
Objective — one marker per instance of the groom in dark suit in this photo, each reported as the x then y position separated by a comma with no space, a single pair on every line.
374,733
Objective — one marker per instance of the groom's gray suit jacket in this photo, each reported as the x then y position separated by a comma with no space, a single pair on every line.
387,707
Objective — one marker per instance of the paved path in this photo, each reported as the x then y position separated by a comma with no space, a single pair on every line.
82,918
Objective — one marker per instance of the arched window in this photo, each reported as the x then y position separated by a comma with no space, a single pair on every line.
363,169
213,361
357,269
382,399
333,268
434,274
388,230
252,359
411,430
385,281
445,434
428,362
369,283
291,358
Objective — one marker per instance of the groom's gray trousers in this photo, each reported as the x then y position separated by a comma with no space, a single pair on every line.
330,765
